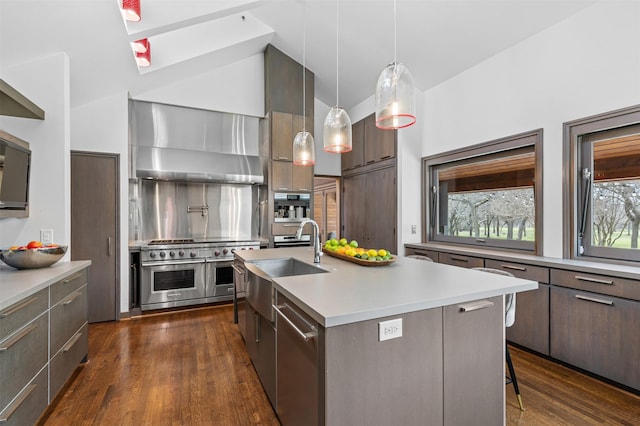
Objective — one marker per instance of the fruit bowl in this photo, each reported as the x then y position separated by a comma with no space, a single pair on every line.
33,258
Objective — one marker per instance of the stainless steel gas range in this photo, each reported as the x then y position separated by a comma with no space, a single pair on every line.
182,272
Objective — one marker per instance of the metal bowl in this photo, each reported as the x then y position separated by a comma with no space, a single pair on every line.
33,258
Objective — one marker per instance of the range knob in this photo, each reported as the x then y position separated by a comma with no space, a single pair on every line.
162,254
225,251
217,252
243,248
250,248
233,250
181,253
152,254
192,254
172,253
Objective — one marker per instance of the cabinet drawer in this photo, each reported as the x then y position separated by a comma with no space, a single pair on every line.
286,228
433,255
460,260
29,404
22,355
67,285
613,286
520,270
67,317
18,314
65,362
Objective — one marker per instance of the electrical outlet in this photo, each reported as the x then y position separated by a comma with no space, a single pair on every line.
389,329
414,229
46,236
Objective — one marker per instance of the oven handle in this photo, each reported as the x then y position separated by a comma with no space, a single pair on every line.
163,263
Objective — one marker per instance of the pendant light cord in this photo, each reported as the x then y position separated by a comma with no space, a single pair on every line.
337,53
395,34
304,66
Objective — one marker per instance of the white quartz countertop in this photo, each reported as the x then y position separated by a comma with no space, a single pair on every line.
16,284
352,293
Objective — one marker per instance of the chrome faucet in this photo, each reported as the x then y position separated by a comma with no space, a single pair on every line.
317,249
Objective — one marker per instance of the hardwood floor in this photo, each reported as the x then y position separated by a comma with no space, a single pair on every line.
190,368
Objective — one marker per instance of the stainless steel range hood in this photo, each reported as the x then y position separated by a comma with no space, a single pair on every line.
192,166
191,145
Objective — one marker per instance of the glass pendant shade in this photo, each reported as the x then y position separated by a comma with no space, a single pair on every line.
304,149
395,104
337,131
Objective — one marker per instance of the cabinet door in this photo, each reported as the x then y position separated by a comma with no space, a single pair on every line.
379,144
281,174
355,157
474,348
380,209
302,178
353,206
282,136
531,328
597,333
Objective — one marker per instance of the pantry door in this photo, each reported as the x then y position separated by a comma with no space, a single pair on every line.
95,228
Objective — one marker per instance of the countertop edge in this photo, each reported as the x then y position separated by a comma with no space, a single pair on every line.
42,278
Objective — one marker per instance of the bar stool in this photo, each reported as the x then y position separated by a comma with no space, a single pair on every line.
420,257
509,320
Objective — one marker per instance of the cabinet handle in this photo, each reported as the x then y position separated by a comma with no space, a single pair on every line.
238,269
371,161
283,158
17,307
475,306
6,415
593,280
72,298
386,156
74,339
68,280
305,336
459,259
17,337
109,246
283,188
593,299
256,320
303,189
515,268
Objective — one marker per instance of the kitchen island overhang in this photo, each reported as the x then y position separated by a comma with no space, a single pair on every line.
351,293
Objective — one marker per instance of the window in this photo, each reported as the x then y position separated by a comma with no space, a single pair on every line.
604,186
487,194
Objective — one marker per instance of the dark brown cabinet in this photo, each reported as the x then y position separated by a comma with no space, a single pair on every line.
288,177
369,209
284,128
596,332
460,260
369,144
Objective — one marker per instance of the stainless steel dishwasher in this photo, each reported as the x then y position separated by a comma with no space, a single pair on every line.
299,371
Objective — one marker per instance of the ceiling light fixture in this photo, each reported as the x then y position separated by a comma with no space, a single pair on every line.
143,59
304,147
140,46
395,105
131,10
337,124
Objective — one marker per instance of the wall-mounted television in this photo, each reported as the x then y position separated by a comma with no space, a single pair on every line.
15,163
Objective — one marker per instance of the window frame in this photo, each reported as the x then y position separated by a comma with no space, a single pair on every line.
576,133
479,151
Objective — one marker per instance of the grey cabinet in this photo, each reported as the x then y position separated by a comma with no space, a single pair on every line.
460,260
286,176
260,342
531,328
363,216
369,144
596,332
474,363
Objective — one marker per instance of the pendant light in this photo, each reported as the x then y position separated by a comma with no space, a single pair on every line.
131,10
395,105
304,147
337,124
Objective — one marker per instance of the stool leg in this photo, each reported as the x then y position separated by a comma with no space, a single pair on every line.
512,373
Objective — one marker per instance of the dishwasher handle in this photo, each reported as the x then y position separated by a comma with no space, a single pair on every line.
305,336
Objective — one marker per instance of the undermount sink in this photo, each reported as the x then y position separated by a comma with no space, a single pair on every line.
287,267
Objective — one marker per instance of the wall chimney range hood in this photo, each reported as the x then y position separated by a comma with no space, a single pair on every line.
181,144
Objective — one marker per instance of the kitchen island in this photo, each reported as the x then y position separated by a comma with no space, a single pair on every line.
413,342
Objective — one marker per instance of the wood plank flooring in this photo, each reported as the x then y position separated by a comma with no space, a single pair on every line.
190,368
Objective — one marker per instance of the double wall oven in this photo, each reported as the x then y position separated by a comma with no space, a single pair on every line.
186,271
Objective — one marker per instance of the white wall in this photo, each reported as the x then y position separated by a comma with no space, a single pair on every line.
585,65
236,88
45,82
102,126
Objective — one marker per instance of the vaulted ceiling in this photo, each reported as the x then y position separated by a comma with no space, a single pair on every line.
436,39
